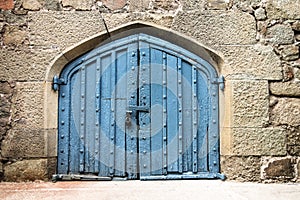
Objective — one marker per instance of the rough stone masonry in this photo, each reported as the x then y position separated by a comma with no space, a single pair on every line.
258,40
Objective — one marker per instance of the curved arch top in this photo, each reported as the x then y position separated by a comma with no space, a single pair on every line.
208,55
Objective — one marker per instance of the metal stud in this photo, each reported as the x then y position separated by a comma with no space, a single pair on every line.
144,152
62,122
62,136
214,121
165,166
81,150
62,109
165,138
63,95
62,151
214,108
132,68
111,152
145,165
133,54
143,53
112,138
81,137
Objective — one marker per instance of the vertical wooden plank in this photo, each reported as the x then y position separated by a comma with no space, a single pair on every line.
202,93
187,115
180,131
156,70
194,120
172,114
74,105
97,116
63,128
213,135
164,108
90,110
131,100
105,106
120,93
144,117
82,149
112,114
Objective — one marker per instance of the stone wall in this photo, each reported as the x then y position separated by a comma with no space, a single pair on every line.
258,39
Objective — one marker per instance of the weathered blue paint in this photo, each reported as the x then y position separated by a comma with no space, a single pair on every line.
139,107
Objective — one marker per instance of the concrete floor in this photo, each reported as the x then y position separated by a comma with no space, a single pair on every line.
149,190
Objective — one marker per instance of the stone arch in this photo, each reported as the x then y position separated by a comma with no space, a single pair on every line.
58,64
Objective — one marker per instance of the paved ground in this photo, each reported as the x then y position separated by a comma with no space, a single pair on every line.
152,190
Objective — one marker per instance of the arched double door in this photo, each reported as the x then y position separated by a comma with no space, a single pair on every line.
139,108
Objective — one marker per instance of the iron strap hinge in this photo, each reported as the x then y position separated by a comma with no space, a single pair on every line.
56,82
220,81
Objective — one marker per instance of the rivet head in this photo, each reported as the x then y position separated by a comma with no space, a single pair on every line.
62,122
143,53
144,152
131,152
63,94
145,165
81,150
62,151
132,68
214,94
144,138
165,138
133,54
62,136
63,109
112,138
97,110
132,138
214,108
111,152
214,121
165,166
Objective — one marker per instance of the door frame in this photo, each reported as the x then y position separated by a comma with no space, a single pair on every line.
210,56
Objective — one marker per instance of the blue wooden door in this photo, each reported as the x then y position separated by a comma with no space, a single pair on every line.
139,108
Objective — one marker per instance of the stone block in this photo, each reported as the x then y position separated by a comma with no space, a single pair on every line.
241,168
258,141
55,31
215,28
278,168
260,14
78,4
114,4
280,34
296,26
6,4
51,167
13,35
293,141
51,111
115,20
218,4
24,64
246,5
290,52
165,5
52,5
287,9
26,170
250,103
24,143
298,169
31,5
286,112
14,19
51,143
251,62
193,4
139,5
289,89
28,104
